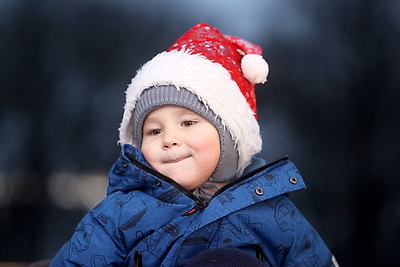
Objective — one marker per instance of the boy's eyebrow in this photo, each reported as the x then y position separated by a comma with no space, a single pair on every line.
178,111
185,111
149,119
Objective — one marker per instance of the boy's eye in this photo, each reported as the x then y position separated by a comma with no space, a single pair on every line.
188,123
154,132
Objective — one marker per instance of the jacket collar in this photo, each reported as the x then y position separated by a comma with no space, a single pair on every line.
261,181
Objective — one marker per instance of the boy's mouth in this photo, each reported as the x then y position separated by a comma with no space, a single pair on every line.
178,159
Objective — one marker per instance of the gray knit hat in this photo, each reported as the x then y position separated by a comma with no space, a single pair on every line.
164,95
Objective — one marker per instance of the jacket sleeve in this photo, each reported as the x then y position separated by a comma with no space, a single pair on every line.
296,243
96,240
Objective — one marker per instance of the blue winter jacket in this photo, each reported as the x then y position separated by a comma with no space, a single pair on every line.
147,217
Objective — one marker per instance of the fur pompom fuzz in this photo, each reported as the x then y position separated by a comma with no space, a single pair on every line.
255,68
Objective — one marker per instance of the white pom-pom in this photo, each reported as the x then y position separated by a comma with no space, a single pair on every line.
255,68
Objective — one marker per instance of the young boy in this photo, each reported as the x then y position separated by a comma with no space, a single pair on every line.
187,180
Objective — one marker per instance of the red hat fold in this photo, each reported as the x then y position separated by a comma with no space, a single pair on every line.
240,57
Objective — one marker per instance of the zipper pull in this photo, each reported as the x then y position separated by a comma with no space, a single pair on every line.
194,210
137,259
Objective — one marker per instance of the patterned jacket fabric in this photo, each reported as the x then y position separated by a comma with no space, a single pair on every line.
147,215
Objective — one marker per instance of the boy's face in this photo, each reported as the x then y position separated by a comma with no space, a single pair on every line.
181,144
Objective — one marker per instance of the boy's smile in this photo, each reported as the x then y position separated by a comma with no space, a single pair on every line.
175,160
181,144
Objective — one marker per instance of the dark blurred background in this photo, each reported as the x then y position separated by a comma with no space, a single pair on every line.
331,103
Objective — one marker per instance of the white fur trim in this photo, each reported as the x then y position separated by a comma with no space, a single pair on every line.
255,68
213,85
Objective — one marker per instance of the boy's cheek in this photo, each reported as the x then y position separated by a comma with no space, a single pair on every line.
148,154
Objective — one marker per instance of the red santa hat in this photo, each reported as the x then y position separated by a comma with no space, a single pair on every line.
220,70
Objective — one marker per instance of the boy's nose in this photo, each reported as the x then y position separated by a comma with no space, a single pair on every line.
170,140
